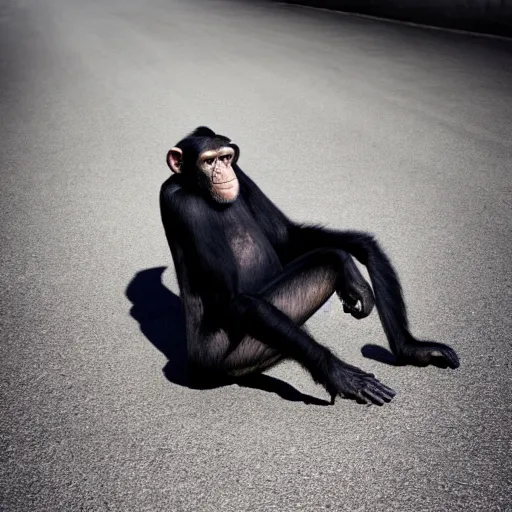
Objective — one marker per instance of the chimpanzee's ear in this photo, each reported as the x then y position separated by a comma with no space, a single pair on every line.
175,159
236,149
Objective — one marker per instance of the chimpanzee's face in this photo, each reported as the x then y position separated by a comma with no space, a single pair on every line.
216,165
208,163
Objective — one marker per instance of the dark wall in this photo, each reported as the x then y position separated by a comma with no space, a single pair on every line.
488,16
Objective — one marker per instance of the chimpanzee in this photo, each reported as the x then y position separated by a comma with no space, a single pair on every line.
249,277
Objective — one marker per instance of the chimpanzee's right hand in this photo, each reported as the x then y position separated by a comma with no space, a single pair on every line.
350,382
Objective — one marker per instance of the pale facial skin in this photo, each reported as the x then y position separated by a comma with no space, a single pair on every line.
216,164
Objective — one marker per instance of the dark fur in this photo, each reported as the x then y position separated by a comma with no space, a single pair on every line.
250,277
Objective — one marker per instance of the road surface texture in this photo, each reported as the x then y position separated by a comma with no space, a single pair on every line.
350,122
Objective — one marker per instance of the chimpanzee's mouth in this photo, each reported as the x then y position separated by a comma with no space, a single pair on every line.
224,183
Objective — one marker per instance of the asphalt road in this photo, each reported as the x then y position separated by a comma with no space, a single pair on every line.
350,122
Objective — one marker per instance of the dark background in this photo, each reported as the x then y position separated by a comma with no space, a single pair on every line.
484,16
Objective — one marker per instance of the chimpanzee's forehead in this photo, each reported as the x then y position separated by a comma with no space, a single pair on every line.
216,143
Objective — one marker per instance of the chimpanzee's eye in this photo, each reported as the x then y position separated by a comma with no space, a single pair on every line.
209,161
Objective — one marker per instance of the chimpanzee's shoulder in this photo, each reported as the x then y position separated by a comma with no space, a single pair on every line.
178,200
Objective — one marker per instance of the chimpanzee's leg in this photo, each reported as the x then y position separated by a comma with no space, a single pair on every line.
298,292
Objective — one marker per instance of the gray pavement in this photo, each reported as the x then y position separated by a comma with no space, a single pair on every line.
349,122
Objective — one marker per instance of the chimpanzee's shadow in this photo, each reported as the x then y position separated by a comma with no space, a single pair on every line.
161,318
379,354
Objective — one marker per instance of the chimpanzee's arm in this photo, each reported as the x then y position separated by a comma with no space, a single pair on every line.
387,290
257,318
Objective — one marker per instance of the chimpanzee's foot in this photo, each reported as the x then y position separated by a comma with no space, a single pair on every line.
423,353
